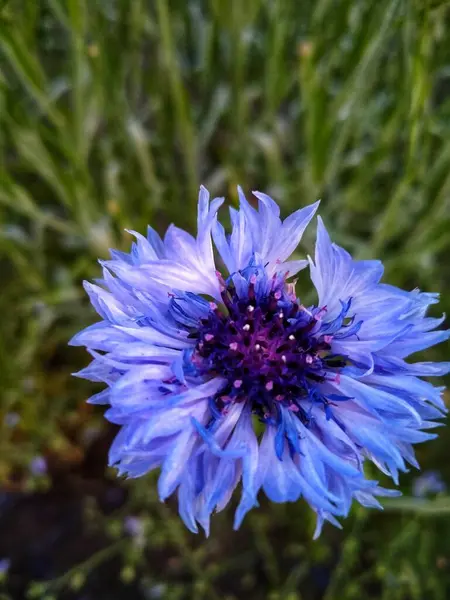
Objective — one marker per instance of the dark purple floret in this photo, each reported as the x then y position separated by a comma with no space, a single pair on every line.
269,349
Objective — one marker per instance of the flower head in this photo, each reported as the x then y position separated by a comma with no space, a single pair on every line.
38,465
428,483
135,527
11,419
5,565
226,377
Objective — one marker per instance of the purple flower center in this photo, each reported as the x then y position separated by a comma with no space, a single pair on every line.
269,349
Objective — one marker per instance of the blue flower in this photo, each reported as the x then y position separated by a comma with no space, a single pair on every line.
135,527
226,378
428,483
5,564
38,465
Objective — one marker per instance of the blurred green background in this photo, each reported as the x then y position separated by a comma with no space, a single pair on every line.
112,112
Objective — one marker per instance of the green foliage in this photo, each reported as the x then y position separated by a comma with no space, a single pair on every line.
111,114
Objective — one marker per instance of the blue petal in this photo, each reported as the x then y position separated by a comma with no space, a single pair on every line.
175,463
